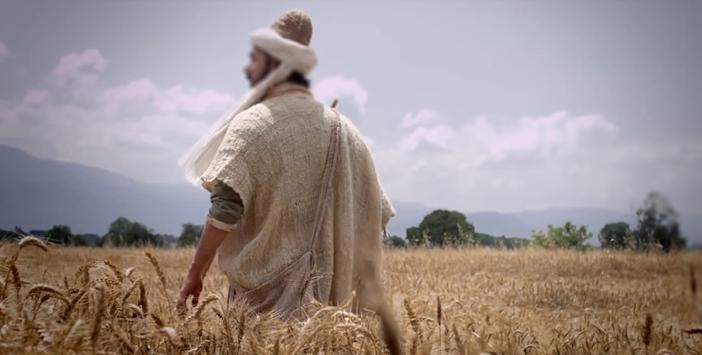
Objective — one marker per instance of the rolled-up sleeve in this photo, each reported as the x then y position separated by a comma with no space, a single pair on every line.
227,207
388,210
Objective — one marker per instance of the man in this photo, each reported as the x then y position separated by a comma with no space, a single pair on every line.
297,209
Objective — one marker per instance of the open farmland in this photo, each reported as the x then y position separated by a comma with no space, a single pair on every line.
108,300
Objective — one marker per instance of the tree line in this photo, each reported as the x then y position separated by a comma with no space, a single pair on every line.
657,227
122,232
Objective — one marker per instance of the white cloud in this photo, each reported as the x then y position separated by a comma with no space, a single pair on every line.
557,134
141,90
490,139
337,87
81,67
501,163
484,162
4,52
422,116
437,136
174,99
36,97
134,128
181,98
516,163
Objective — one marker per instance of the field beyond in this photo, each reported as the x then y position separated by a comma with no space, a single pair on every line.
70,300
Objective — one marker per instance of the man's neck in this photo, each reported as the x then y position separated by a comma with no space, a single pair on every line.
283,88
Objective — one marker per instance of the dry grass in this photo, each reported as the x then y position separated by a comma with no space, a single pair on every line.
81,300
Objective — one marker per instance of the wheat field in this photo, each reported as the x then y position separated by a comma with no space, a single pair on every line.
451,301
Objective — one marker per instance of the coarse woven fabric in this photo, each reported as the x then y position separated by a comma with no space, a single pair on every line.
273,154
293,56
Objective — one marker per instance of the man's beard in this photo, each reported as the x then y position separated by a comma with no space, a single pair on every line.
253,82
269,69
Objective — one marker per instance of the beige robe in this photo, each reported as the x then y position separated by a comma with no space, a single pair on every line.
273,156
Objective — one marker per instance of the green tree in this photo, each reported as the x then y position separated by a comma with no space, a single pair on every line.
124,232
60,234
615,235
190,235
442,227
414,236
658,224
568,236
501,242
394,241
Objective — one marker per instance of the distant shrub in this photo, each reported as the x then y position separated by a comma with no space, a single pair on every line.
569,236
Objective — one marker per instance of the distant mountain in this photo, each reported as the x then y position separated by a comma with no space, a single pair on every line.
691,227
521,224
408,214
500,224
593,218
37,193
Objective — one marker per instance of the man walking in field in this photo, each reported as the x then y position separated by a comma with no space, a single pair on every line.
297,209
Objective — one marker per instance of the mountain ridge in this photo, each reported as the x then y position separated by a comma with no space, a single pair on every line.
39,193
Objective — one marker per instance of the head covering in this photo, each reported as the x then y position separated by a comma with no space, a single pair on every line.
294,25
288,41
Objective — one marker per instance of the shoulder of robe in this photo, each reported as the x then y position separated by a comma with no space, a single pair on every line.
354,135
248,124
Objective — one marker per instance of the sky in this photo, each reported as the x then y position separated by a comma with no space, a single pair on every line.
470,105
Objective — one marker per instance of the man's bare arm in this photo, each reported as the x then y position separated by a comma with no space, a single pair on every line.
224,213
210,240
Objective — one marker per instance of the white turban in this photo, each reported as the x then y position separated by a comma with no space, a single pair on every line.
292,55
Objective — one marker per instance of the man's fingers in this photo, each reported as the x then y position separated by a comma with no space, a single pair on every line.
187,291
181,306
182,299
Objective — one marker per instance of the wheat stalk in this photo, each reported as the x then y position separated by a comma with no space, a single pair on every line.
122,336
159,322
693,282
71,305
240,332
646,333
159,271
200,307
115,270
32,241
83,275
514,314
47,289
73,335
143,302
128,293
99,313
414,322
136,309
129,271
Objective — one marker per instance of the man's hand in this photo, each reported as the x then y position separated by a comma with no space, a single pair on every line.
192,286
210,240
